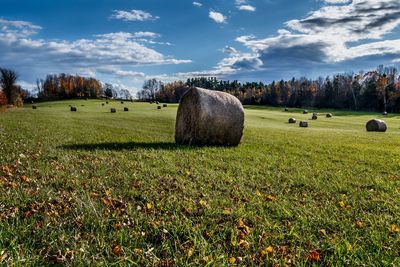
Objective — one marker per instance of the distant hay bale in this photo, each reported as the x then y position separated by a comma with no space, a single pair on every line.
208,117
122,102
314,116
384,113
329,115
286,109
106,102
74,109
305,111
376,126
102,104
303,124
292,120
165,105
158,107
157,102
113,110
34,107
126,109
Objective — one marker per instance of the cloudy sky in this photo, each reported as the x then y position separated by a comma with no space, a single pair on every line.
125,42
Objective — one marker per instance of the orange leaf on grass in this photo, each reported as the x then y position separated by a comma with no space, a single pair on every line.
314,256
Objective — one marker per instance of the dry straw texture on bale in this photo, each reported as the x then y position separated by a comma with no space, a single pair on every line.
208,117
376,126
292,120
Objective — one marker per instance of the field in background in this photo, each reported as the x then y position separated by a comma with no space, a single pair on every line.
94,187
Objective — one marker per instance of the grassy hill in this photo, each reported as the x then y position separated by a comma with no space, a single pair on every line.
92,188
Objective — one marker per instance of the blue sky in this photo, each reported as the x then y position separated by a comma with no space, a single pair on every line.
124,42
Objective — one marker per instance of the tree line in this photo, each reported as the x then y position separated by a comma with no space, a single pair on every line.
377,90
56,86
11,93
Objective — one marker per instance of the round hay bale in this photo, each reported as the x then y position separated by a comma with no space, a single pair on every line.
165,105
314,116
207,117
286,109
303,124
376,126
329,115
34,107
292,120
305,111
122,102
384,113
126,109
113,110
107,102
157,102
74,109
158,107
102,104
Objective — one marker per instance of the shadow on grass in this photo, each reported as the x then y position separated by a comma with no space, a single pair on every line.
130,146
138,145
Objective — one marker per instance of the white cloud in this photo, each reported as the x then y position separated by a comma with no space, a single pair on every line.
133,15
229,50
198,4
114,54
337,1
247,8
327,36
217,17
240,2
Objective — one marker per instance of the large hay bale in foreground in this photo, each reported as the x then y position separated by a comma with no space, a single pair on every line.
376,126
73,108
208,117
292,120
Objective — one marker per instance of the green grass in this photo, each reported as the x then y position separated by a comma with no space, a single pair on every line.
95,188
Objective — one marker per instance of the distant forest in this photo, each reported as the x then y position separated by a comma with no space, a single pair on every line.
55,87
377,90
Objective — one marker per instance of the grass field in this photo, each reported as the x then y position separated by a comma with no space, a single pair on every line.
95,188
